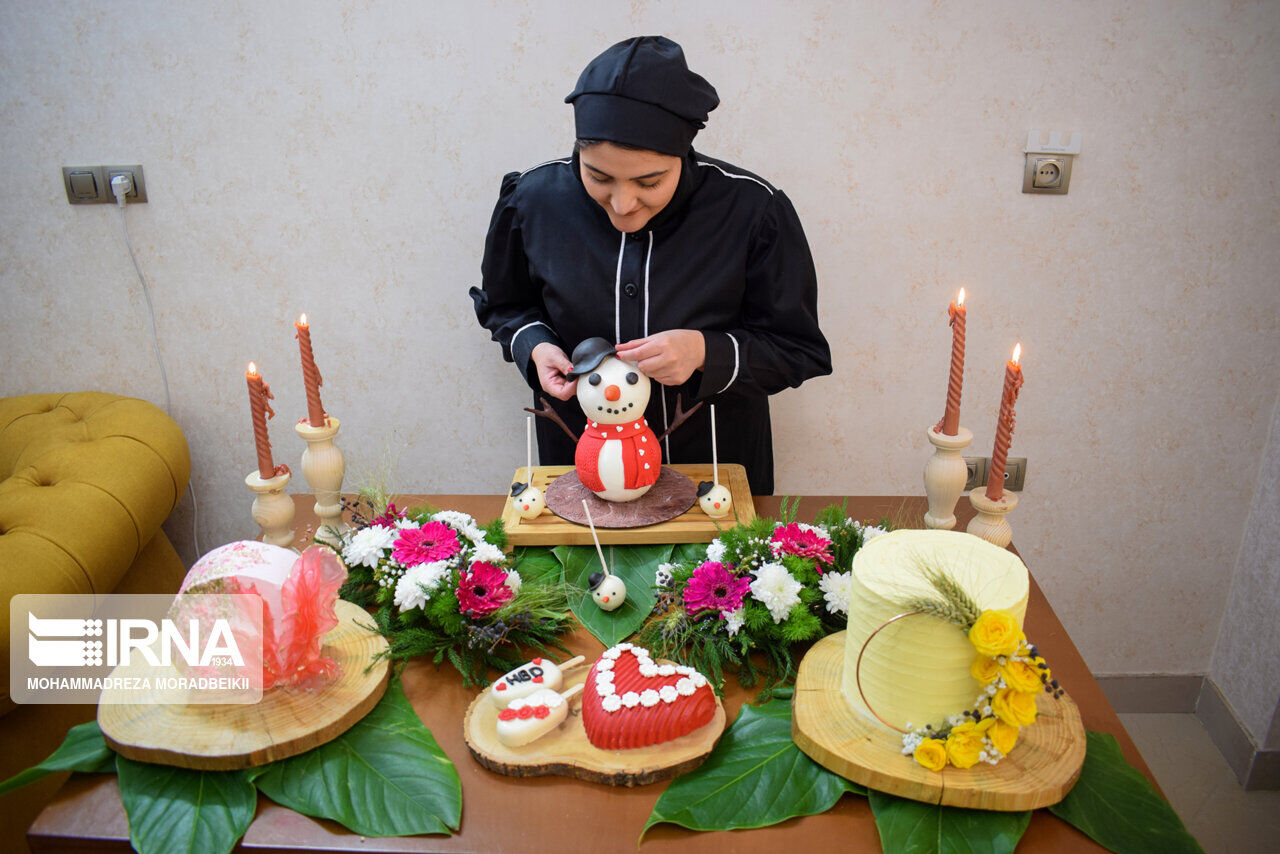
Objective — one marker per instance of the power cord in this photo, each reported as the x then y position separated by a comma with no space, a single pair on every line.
121,185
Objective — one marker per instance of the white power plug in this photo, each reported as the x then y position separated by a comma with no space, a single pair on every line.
121,185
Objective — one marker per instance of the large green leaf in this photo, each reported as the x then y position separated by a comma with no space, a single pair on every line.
1117,807
756,776
912,827
538,563
689,552
386,776
82,750
635,565
177,810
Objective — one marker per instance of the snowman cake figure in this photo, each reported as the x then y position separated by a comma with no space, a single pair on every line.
618,456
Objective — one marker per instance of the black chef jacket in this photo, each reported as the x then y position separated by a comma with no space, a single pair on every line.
726,256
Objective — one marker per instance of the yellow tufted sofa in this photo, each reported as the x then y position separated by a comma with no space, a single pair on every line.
87,480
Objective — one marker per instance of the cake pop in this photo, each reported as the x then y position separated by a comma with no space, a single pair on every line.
607,590
713,496
528,498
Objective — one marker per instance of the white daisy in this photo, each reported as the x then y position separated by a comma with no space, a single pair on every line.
836,587
368,546
733,619
777,589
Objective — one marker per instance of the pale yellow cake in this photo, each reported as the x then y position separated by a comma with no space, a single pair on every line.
916,671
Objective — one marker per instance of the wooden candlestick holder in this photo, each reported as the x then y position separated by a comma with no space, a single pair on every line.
324,467
944,476
272,509
990,523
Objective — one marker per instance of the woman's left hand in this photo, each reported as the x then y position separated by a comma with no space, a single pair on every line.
669,357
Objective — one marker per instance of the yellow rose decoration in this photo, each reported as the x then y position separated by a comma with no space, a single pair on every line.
932,754
1002,735
963,745
985,669
1021,676
1014,707
996,633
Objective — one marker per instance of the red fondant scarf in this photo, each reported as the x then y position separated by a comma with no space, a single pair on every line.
639,446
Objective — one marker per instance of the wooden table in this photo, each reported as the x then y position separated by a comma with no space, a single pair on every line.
552,814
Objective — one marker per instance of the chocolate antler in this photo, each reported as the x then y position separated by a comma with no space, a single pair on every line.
547,412
681,417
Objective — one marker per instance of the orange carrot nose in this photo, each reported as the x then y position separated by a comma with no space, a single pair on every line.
604,599
612,393
717,506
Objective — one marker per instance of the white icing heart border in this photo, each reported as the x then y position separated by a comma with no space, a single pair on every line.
690,681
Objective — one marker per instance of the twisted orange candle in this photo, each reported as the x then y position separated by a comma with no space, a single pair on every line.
259,394
310,373
1004,425
950,423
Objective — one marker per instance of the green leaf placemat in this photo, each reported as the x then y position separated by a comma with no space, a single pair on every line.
635,565
1115,805
756,776
82,750
538,563
177,810
386,776
912,827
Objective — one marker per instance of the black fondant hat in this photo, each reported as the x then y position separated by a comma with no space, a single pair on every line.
641,92
704,487
594,579
518,488
588,355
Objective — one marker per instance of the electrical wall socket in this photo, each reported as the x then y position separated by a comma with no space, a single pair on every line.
1015,472
91,185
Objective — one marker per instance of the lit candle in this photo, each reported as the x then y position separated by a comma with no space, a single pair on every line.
259,394
950,423
310,373
1004,425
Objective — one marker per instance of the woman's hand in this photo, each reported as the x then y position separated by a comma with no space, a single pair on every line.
553,365
669,357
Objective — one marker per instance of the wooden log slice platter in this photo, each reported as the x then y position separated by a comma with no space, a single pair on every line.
285,723
663,515
566,751
1039,771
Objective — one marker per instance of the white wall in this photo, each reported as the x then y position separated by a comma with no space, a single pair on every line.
342,158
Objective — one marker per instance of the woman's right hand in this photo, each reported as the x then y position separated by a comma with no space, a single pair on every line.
553,366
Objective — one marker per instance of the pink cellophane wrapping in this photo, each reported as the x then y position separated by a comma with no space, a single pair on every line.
298,595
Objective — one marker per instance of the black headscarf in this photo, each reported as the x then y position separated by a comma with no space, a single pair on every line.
641,92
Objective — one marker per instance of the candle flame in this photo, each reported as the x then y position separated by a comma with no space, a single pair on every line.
253,367
1017,353
960,299
302,319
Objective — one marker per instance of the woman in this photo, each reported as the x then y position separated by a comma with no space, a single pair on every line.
697,270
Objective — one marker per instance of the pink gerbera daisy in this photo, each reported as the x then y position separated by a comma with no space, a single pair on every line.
482,590
432,542
714,588
794,540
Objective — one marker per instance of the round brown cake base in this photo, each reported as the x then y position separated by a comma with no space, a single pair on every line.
1038,772
566,751
285,723
670,496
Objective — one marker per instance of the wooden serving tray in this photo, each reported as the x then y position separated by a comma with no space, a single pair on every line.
692,526
566,751
1039,771
285,723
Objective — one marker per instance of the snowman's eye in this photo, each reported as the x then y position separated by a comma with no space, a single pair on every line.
594,379
633,378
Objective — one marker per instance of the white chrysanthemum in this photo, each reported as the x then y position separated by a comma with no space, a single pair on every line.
662,578
836,587
716,551
418,583
777,589
487,552
406,522
820,530
368,546
733,619
870,532
513,580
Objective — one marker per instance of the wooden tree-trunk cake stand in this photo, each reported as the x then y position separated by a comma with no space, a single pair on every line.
659,516
1038,772
285,723
566,752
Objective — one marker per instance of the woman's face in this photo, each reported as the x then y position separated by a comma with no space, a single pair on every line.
631,185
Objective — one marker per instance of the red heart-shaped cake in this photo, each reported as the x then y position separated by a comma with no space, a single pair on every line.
629,701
